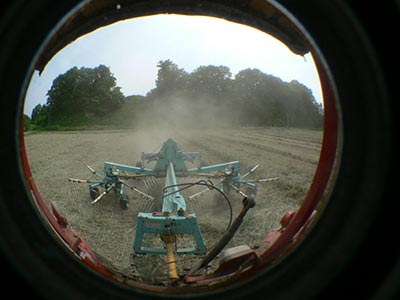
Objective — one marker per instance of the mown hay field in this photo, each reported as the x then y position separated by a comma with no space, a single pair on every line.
54,157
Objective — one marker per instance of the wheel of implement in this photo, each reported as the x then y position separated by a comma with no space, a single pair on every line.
94,192
123,201
352,249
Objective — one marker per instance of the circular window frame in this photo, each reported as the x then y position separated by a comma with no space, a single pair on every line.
358,188
284,240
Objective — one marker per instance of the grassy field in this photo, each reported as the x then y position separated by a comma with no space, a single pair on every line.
290,154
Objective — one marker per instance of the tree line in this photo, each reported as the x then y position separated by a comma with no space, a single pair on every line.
207,96
79,96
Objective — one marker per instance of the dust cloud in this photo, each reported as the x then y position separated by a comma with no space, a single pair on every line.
177,113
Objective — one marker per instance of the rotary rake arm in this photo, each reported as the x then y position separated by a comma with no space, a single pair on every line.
111,187
95,173
231,179
173,221
111,181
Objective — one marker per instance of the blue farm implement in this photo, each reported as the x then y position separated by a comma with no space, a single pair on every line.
173,220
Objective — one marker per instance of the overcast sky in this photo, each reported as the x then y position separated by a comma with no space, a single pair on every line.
132,49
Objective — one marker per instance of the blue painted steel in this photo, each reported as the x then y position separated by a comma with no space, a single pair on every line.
110,181
170,152
172,196
172,220
232,166
149,223
130,169
171,163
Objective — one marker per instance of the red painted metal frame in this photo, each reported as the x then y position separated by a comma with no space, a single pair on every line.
322,174
71,238
280,241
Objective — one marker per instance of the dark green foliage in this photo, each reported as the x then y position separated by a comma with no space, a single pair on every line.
27,123
39,115
78,97
208,96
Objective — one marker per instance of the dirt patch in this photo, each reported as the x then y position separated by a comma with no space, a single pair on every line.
290,154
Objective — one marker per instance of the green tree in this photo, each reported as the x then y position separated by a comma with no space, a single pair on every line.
27,123
82,94
39,115
171,80
210,81
265,100
302,109
209,96
257,95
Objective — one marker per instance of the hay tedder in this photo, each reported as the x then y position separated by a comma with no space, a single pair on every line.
172,220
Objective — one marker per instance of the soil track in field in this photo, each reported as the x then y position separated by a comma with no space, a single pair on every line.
290,154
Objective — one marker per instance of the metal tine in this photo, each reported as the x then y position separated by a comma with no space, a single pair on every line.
239,191
195,197
75,190
203,203
146,183
146,206
149,206
154,181
150,182
142,194
94,172
197,205
268,179
195,200
193,205
199,194
261,180
251,171
103,193
82,180
99,197
189,180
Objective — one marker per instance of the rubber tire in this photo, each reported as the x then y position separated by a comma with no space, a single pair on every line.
123,201
353,249
94,193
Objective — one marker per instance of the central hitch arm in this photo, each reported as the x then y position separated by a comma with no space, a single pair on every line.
172,197
169,240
